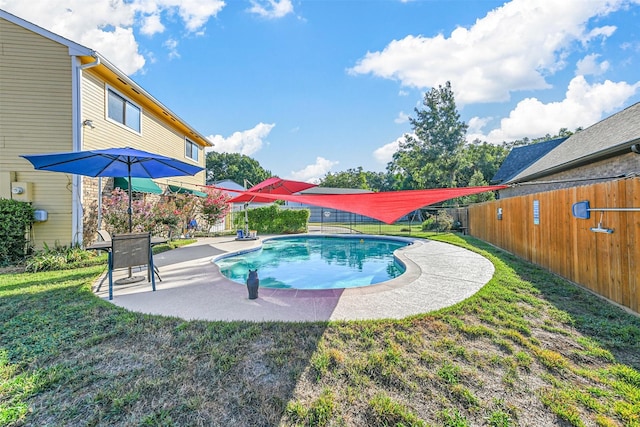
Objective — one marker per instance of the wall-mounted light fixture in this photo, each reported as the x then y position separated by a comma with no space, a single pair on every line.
88,123
635,148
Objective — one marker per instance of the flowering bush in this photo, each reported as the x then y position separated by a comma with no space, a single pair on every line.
214,207
188,207
116,217
166,215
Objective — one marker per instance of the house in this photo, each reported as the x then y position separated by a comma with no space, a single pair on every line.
57,95
599,153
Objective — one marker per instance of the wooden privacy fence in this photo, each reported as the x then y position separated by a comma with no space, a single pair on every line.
541,229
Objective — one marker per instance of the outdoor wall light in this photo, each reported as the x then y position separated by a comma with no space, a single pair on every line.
88,123
635,148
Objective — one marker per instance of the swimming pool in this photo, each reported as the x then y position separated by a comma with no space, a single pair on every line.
318,262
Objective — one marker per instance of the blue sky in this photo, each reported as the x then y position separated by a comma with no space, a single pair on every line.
310,87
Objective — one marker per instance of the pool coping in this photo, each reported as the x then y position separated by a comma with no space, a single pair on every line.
438,275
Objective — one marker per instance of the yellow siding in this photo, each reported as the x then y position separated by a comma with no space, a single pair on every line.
36,117
157,134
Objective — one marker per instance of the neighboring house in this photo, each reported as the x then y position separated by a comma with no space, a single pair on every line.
599,153
57,95
520,158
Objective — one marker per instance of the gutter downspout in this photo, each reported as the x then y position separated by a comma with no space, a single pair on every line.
76,192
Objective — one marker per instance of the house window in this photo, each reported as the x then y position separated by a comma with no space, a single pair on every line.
191,149
123,111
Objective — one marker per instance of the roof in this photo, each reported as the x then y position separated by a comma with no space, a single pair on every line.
76,49
519,158
610,137
228,184
334,190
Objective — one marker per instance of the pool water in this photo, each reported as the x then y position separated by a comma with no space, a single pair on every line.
317,262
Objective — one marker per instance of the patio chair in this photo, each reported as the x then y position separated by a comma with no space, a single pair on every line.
131,250
106,237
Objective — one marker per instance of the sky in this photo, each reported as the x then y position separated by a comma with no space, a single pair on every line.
309,87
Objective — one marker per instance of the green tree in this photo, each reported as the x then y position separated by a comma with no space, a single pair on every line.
430,158
480,157
562,133
477,180
236,167
351,178
358,178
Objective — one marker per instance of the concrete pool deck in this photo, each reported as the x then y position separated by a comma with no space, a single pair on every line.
192,288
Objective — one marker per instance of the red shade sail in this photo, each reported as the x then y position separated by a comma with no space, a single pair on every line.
272,185
386,206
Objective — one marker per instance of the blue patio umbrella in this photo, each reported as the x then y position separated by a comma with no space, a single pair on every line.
114,162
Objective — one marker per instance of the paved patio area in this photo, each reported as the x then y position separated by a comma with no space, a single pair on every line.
438,275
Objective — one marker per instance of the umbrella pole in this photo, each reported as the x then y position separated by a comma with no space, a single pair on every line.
246,219
130,211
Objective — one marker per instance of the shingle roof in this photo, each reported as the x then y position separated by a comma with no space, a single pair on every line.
611,136
522,157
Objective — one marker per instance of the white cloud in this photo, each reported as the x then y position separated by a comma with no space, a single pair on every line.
511,49
384,154
172,47
271,9
589,66
313,173
245,142
151,25
108,25
402,118
583,105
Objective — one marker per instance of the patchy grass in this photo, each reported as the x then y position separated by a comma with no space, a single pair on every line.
528,349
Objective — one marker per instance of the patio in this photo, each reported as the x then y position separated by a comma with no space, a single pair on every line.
438,275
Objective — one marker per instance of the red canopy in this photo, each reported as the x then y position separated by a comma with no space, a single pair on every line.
272,185
386,206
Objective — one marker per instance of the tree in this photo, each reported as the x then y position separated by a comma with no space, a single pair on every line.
358,178
477,180
480,157
431,156
236,167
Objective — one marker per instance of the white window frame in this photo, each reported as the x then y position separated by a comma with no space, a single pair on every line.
189,147
127,101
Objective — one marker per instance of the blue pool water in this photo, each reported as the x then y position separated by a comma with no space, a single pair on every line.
317,262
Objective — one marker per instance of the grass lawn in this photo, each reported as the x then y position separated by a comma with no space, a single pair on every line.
528,349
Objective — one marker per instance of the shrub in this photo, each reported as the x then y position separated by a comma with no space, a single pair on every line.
59,257
15,220
441,221
275,220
